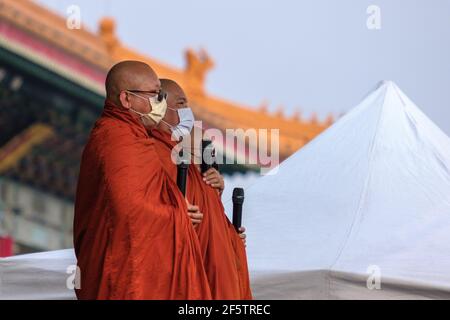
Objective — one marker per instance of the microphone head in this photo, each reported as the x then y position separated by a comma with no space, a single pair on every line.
208,152
206,143
208,155
182,161
183,165
238,195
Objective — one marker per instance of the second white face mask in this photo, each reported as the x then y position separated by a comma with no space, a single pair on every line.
184,127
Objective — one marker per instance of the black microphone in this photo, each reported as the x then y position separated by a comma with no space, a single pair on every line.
208,156
238,200
182,173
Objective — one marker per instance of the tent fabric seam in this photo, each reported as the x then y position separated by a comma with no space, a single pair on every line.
362,196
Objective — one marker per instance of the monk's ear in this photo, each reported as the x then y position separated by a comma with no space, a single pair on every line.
124,100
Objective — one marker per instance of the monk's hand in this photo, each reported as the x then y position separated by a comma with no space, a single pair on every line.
242,235
213,178
195,214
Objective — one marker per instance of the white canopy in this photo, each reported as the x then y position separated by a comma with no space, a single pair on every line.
368,197
38,276
366,202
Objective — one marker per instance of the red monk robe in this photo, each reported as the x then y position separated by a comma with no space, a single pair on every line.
133,237
223,250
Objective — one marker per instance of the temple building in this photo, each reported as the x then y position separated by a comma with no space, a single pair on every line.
52,91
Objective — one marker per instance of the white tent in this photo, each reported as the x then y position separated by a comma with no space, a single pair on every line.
38,276
365,205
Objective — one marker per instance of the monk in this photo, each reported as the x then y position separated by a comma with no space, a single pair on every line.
223,250
133,230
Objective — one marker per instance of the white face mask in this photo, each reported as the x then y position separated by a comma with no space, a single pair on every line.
158,104
184,127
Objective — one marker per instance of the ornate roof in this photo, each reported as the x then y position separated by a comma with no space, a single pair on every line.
84,57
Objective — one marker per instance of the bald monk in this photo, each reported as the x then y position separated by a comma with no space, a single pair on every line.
222,249
133,230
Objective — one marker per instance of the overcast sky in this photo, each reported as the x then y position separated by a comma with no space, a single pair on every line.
316,55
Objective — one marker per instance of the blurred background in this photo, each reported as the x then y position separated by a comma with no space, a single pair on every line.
295,66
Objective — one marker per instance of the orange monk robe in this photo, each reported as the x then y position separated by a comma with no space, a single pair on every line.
223,250
133,238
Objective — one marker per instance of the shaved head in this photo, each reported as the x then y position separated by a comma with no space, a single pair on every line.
176,96
171,87
130,75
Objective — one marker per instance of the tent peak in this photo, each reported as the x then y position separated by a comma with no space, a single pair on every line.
385,83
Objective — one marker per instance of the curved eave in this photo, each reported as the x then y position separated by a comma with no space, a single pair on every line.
57,76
